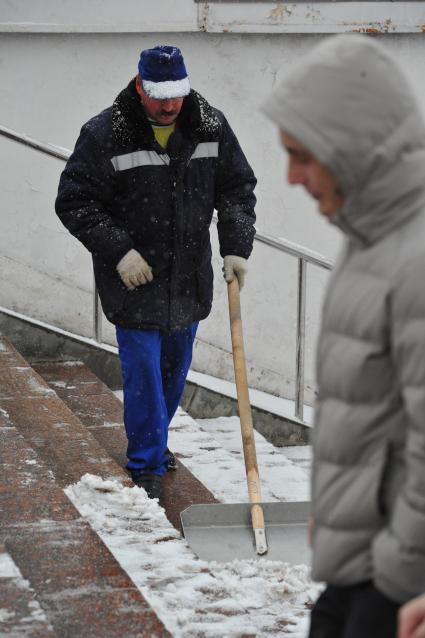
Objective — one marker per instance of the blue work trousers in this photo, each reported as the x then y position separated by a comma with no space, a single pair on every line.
154,368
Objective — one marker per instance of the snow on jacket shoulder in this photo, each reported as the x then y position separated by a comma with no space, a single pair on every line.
121,190
352,107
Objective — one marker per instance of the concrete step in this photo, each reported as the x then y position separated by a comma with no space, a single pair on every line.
204,397
102,413
54,432
80,587
20,612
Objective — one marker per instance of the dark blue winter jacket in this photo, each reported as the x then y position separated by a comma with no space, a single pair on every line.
121,190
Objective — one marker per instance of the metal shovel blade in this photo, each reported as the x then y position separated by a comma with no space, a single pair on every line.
223,532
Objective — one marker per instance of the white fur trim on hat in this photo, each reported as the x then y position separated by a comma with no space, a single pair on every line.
167,90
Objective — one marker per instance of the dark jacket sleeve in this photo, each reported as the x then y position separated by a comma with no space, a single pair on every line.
234,196
86,187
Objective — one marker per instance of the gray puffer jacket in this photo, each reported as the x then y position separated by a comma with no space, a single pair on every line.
351,106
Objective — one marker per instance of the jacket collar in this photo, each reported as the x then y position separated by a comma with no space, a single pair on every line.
197,120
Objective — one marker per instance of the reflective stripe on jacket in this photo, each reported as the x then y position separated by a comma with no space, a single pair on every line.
120,190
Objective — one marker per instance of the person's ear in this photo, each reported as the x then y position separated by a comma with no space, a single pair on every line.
139,87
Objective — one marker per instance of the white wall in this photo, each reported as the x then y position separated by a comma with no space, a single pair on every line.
53,82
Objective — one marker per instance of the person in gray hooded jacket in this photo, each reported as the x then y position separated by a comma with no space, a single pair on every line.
356,142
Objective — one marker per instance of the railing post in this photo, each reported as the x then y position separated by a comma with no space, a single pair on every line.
97,315
300,343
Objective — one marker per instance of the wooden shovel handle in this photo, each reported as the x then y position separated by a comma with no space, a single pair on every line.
247,430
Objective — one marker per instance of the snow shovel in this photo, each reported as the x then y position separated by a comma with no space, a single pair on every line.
223,532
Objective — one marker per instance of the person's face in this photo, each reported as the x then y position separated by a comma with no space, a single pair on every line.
318,181
162,111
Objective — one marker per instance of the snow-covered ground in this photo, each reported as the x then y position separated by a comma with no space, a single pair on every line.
194,598
212,450
191,597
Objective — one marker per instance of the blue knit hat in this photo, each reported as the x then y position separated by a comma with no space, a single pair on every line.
163,73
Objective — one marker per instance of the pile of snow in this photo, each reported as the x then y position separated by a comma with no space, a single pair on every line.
191,597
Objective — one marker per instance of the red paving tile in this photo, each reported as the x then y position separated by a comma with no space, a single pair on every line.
21,611
50,427
78,583
28,491
69,378
43,446
61,439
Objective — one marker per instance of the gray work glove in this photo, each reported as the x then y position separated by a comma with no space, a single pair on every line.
134,270
235,266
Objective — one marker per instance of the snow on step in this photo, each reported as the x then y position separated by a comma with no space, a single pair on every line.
191,597
212,450
23,615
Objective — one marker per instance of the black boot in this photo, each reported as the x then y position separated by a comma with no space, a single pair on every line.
171,459
152,483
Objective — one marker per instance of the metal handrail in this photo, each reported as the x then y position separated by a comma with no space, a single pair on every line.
304,256
44,147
